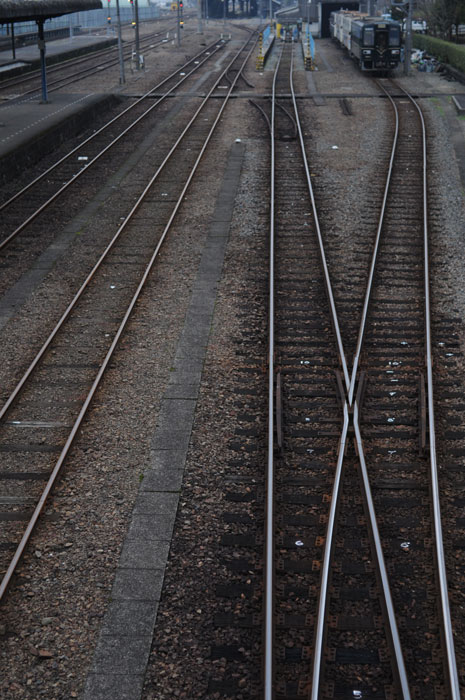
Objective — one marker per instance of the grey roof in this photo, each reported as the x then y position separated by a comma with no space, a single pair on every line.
23,10
289,13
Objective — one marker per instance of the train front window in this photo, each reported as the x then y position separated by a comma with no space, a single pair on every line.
368,36
381,40
394,36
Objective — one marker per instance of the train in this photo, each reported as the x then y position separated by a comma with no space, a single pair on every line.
374,42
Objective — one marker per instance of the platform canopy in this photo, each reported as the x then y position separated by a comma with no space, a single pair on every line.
27,10
289,14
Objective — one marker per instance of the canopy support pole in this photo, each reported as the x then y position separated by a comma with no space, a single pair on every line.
13,47
43,70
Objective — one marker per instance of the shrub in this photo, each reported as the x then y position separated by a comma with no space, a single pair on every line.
445,51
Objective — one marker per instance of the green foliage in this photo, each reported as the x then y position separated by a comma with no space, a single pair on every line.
441,16
444,51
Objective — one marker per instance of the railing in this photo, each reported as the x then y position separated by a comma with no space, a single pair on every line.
308,48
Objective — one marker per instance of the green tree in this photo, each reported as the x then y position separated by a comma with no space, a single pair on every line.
442,16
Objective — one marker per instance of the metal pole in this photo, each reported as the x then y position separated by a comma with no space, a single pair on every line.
122,78
13,47
179,25
408,41
271,12
136,14
43,69
224,14
199,17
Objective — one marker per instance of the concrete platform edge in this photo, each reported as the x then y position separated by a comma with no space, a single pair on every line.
24,151
123,650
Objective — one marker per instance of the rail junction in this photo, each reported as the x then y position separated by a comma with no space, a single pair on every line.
271,513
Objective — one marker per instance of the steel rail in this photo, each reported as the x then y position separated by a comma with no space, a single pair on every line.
7,405
325,570
452,672
268,671
101,153
366,302
84,72
329,545
269,552
453,678
87,72
70,62
75,428
9,83
393,630
60,83
329,290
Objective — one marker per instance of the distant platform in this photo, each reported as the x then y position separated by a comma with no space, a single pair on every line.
29,56
29,129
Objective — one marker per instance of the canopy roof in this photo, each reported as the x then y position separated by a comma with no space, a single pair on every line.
289,13
24,10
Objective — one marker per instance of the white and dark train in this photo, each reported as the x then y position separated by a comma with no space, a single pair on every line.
374,42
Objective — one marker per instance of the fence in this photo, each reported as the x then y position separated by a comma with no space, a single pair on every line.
85,20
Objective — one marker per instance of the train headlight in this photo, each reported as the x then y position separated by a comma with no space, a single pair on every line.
395,52
366,52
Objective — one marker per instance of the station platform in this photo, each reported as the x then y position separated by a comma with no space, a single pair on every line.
30,128
29,56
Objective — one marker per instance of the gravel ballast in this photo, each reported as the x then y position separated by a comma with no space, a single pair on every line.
53,616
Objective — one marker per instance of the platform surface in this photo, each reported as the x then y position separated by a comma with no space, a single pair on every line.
28,54
24,120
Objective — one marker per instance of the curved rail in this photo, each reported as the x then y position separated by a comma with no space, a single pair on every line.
328,286
269,528
74,430
393,631
454,685
366,302
398,661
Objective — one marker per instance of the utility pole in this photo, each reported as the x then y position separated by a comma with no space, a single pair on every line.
179,23
408,41
199,17
406,8
122,78
136,16
13,47
43,67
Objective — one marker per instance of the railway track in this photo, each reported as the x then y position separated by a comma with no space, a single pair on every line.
354,604
351,653
27,212
73,70
334,629
38,427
